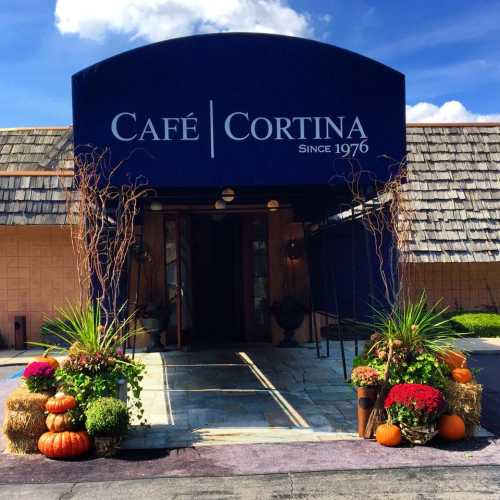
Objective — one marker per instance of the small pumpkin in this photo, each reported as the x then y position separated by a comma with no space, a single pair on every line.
59,422
454,359
451,427
462,375
388,434
47,359
60,403
64,444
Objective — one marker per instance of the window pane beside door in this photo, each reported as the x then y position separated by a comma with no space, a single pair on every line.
171,268
260,272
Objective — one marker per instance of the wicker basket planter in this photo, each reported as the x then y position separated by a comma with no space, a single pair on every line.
418,435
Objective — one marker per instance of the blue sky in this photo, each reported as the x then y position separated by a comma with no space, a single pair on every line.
449,50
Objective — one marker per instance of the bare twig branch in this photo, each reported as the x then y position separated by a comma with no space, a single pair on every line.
101,217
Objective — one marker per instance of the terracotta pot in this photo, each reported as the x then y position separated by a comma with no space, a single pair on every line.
366,400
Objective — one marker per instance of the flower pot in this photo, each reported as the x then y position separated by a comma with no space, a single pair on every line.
152,325
418,434
366,400
106,446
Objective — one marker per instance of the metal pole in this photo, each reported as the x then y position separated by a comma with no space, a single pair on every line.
353,275
178,296
339,317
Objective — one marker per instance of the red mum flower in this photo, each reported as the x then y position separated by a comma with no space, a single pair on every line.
420,397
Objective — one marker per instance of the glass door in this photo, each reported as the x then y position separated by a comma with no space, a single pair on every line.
178,274
256,278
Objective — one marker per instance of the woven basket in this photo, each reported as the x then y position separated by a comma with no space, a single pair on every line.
419,435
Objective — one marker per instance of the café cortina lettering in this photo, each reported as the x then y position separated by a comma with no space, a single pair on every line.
347,136
241,109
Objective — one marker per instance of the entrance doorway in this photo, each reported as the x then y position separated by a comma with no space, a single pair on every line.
217,278
216,268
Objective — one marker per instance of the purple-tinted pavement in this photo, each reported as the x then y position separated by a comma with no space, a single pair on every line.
231,460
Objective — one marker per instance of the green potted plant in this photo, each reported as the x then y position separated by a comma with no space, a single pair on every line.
106,420
366,380
96,364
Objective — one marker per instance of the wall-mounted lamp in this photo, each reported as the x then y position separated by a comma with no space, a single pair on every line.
156,206
273,205
228,195
294,249
220,205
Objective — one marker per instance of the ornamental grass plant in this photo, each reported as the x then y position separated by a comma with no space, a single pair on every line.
81,329
414,327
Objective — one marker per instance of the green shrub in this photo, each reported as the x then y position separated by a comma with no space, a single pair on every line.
106,417
423,368
86,384
480,324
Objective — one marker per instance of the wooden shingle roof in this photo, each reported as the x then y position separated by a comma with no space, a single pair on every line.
453,190
37,148
453,187
33,199
32,188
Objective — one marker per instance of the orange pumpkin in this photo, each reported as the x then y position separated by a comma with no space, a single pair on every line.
47,359
388,434
59,422
462,375
454,359
451,428
60,403
64,444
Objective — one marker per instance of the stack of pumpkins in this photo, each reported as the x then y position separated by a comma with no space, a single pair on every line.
61,441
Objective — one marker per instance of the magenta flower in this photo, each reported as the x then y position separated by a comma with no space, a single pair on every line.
39,369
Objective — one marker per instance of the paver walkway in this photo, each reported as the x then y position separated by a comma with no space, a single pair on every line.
231,396
258,395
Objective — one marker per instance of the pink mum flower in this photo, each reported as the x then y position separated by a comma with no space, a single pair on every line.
39,369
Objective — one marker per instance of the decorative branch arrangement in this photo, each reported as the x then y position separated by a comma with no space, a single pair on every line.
101,218
388,211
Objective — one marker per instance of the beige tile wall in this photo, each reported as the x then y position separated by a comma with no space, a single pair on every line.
37,275
463,286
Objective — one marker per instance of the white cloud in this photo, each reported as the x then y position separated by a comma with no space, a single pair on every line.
451,111
155,20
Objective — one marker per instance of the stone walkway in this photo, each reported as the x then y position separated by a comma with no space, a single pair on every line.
260,395
231,396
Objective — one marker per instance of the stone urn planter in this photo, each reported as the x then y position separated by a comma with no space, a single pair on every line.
289,314
367,397
154,319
